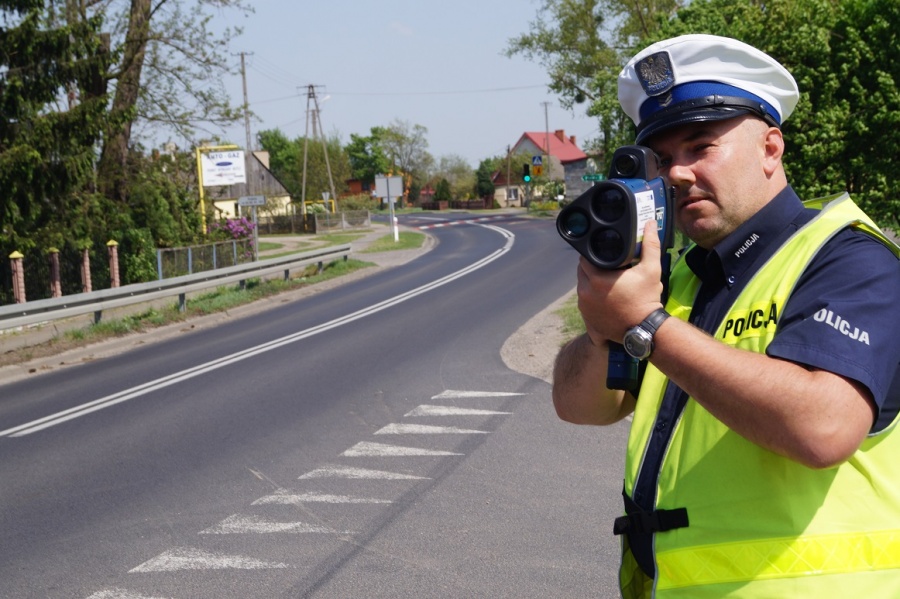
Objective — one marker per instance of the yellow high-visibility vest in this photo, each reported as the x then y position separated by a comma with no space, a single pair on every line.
761,525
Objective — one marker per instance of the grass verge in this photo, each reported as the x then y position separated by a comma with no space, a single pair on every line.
406,240
218,300
573,324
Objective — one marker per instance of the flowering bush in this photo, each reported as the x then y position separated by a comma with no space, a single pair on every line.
235,229
232,228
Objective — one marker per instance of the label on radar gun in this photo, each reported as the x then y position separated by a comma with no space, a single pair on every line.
646,210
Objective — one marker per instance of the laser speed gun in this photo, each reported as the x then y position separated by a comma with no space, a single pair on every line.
606,223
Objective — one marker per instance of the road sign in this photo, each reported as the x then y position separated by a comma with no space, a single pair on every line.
252,201
597,177
222,168
537,171
537,161
388,187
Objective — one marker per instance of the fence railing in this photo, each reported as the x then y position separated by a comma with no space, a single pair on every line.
174,262
300,224
343,221
17,315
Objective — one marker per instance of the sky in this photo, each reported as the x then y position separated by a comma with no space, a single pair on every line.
436,64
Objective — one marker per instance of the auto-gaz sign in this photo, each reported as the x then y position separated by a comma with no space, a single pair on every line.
222,168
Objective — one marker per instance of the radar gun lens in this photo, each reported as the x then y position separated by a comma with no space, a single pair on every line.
608,246
610,205
576,223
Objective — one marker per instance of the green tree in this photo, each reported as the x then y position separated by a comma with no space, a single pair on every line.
169,71
458,174
845,132
53,114
583,45
843,135
442,191
406,147
163,197
367,158
484,178
286,158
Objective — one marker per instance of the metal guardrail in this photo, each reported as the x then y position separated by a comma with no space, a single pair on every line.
17,315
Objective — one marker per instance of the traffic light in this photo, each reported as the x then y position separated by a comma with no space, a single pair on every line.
526,172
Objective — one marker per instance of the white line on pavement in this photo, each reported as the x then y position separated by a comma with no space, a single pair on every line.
423,429
195,559
119,594
290,498
178,377
251,524
426,410
365,449
451,394
347,472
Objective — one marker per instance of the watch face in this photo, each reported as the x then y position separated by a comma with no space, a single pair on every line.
637,343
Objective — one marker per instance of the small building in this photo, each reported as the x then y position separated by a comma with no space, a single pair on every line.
260,181
561,158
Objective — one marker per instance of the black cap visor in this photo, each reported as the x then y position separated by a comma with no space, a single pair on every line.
709,108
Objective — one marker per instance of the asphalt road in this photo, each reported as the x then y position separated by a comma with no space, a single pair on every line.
367,441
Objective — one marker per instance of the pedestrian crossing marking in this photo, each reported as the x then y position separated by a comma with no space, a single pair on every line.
348,472
366,449
423,429
451,394
427,410
284,497
174,560
253,524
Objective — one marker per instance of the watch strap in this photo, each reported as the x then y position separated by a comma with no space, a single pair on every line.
652,323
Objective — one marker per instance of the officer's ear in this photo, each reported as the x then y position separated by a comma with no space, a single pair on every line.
773,150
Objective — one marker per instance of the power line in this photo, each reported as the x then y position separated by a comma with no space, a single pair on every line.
440,93
436,93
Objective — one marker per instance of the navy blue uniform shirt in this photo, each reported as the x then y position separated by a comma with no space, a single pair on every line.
854,280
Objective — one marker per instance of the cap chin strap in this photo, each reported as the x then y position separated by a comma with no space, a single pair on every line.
707,108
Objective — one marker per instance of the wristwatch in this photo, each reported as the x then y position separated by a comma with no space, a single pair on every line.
638,340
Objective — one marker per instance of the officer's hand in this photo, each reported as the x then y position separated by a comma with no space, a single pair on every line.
612,301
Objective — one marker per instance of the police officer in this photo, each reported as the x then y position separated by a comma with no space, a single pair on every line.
763,454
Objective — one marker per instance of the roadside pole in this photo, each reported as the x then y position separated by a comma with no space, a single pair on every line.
253,201
383,185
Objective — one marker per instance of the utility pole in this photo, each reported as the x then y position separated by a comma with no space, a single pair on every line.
314,114
248,149
546,139
246,102
508,159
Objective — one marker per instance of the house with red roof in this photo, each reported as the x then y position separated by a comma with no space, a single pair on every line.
559,159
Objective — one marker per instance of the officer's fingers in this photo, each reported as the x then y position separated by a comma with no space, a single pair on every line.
650,249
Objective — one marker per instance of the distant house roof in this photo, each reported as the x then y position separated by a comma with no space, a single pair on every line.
562,147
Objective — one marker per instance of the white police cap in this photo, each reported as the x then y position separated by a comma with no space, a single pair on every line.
700,77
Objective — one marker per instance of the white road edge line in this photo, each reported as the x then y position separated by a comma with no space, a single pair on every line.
178,377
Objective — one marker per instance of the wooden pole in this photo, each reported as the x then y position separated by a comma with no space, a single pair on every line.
55,285
18,276
113,262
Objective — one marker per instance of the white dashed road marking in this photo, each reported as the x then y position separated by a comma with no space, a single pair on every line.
347,472
424,429
180,559
252,524
288,498
119,594
194,559
451,394
366,449
426,410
